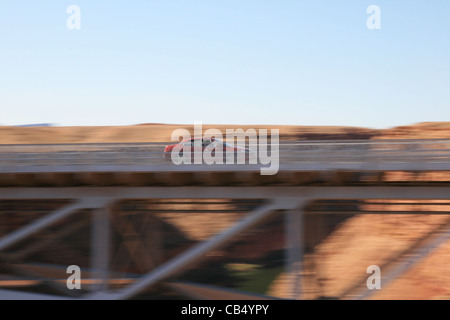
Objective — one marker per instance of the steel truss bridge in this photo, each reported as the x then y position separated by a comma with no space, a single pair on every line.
58,196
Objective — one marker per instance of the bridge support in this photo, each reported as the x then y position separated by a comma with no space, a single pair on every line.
294,250
100,254
289,200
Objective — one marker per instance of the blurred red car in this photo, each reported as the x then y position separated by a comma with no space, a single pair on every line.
208,144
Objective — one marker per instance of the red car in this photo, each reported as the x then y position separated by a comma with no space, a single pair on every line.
209,144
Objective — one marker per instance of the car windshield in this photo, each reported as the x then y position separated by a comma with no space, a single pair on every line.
218,141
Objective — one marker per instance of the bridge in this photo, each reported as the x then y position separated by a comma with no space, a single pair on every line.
107,208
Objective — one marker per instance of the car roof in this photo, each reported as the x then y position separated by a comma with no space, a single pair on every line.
192,139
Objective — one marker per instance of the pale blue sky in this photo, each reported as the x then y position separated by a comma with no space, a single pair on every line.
225,62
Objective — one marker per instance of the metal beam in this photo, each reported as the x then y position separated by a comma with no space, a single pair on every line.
20,295
49,219
286,198
412,258
192,255
39,224
294,250
45,241
209,192
100,247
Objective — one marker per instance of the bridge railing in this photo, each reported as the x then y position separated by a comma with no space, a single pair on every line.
290,152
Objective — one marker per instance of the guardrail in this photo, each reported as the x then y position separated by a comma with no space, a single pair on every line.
339,153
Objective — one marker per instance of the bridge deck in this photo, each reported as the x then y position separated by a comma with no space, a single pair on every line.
300,162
